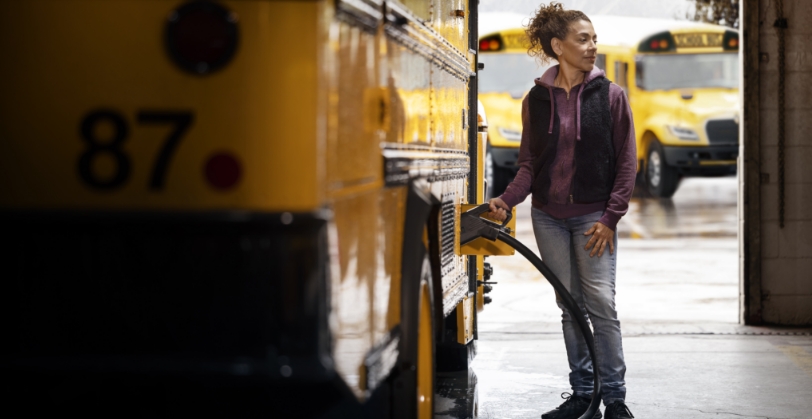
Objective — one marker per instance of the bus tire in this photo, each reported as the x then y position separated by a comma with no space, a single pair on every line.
662,179
501,180
451,357
413,395
497,178
413,375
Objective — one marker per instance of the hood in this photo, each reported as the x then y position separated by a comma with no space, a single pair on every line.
548,80
710,102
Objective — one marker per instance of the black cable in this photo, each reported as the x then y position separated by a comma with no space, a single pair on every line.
572,306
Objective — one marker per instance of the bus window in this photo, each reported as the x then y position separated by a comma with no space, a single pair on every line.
679,71
621,74
508,72
601,62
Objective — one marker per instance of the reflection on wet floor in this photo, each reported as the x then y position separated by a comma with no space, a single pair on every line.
456,395
702,207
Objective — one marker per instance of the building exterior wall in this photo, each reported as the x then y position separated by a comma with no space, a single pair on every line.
777,261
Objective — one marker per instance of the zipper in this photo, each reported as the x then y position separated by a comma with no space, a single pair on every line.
574,168
561,167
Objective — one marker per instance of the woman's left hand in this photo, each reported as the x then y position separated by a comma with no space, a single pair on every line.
601,235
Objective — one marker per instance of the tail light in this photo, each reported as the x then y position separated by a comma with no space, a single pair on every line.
731,41
222,171
492,43
661,42
201,36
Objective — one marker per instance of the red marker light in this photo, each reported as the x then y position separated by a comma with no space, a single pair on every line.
222,171
484,45
655,44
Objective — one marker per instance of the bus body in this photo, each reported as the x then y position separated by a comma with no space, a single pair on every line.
681,79
238,204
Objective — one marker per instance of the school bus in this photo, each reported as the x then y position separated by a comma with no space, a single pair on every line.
238,208
681,79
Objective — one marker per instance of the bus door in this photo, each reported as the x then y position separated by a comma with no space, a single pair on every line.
621,69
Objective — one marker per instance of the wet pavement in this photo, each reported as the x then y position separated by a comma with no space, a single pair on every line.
677,298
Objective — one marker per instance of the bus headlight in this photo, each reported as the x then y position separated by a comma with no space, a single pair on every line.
683,133
510,134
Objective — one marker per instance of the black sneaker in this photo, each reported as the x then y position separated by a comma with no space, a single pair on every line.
618,410
572,408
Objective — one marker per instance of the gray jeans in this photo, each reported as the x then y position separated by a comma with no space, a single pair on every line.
591,281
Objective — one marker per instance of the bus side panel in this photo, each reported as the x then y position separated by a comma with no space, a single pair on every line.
368,218
450,110
450,19
409,86
356,113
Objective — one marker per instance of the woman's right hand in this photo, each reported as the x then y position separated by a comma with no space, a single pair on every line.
499,209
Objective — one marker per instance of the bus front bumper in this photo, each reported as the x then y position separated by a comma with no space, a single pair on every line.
703,161
168,312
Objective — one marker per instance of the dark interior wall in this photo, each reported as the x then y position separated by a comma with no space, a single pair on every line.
776,238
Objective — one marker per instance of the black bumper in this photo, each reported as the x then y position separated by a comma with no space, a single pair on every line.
703,161
506,158
116,314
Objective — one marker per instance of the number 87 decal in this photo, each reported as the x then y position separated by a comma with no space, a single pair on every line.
181,121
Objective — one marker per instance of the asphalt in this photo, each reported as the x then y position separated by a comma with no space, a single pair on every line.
687,355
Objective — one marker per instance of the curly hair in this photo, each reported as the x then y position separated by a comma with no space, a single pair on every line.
550,21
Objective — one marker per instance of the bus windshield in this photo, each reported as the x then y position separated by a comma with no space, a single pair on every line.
510,73
678,71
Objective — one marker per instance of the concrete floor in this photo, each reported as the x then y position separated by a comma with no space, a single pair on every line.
669,376
677,297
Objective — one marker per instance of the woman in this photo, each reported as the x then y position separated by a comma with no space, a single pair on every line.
578,159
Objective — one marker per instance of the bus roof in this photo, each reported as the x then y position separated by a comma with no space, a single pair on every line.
629,31
611,30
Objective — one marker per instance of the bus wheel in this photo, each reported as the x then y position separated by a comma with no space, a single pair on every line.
413,388
497,177
662,179
425,354
501,180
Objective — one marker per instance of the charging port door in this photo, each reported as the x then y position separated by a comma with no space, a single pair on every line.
482,246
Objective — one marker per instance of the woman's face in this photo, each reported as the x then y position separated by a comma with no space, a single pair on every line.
580,48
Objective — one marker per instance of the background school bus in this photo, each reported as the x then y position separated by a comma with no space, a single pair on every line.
682,81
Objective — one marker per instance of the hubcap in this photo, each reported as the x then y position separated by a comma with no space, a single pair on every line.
654,168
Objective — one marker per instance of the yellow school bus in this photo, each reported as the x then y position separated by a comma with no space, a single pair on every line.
507,76
238,208
682,81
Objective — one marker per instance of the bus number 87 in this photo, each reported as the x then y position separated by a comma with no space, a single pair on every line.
181,121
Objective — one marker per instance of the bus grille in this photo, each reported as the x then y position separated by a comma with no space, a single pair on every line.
447,228
723,132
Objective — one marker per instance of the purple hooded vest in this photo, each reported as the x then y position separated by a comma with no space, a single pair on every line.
594,175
